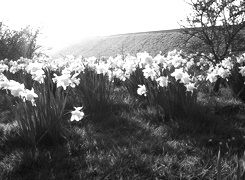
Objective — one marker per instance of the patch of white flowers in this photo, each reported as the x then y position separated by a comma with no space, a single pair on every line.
18,90
120,67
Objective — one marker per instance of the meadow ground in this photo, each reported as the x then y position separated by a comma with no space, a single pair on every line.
131,141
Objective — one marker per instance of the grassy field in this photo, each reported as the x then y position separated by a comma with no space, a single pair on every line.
131,141
152,42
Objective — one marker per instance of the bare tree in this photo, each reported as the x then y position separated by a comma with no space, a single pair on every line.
216,27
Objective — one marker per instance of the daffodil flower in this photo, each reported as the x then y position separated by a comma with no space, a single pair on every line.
77,114
29,95
141,90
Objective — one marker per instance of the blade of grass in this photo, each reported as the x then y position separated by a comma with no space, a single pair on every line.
219,166
238,169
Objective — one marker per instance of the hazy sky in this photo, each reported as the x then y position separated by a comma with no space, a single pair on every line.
64,21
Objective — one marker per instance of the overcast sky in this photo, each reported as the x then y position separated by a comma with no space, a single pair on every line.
63,21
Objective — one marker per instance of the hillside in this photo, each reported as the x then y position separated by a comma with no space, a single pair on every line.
152,42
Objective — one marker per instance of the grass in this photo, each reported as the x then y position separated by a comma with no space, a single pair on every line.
131,141
152,42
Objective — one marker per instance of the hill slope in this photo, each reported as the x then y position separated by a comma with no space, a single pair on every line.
152,42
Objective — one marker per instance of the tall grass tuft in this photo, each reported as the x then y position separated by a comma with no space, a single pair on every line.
131,83
93,91
236,83
174,100
237,174
219,166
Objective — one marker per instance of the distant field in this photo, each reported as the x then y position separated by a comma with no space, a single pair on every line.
132,43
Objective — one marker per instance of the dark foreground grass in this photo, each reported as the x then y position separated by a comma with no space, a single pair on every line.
131,141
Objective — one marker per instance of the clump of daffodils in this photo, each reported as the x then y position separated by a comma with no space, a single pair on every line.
222,69
18,90
37,72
